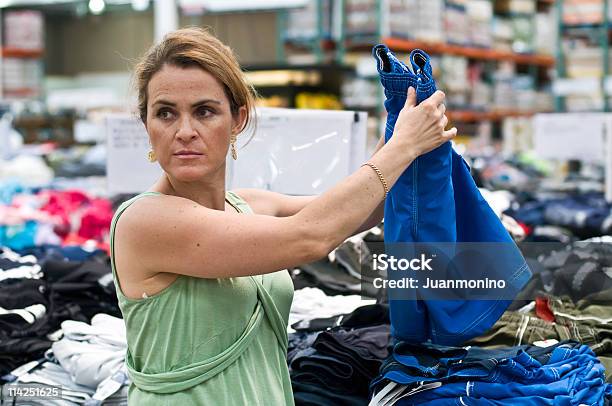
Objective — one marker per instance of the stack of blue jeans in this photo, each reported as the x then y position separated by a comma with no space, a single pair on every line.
566,373
436,201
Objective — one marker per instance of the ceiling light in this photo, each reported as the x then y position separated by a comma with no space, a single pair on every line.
140,5
96,6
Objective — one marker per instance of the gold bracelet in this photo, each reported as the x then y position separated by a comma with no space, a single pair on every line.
380,176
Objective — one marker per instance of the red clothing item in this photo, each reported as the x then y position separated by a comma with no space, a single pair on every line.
64,202
543,310
96,220
88,244
65,206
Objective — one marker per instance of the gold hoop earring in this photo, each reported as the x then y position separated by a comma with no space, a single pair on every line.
233,148
151,156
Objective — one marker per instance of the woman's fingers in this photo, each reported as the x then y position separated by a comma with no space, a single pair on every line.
442,108
444,121
437,98
450,134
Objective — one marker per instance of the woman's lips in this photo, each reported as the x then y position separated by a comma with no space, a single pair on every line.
187,155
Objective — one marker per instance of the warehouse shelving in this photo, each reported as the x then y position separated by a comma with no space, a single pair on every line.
400,44
21,55
496,115
533,61
602,32
9,52
333,47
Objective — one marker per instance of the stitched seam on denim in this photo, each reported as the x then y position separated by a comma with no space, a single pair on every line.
415,191
428,85
406,76
476,321
399,82
398,85
566,353
397,92
490,310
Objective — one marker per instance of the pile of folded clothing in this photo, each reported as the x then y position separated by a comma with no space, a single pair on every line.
565,373
48,295
332,360
87,364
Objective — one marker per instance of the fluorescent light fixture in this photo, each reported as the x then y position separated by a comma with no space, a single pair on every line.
140,5
27,3
96,6
220,6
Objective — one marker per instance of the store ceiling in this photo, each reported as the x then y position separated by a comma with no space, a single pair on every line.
29,3
72,7
208,6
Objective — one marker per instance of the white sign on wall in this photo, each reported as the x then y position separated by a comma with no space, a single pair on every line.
300,152
582,136
224,6
567,136
127,167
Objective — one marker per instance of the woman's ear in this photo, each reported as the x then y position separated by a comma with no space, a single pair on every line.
239,120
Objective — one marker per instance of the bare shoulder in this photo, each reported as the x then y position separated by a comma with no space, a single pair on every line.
153,212
143,233
152,223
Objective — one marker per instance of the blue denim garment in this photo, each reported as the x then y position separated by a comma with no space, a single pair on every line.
436,200
586,387
564,374
411,363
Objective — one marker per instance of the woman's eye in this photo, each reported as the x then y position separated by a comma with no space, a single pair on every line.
165,114
203,111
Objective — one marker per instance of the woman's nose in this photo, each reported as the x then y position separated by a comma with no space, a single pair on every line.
186,130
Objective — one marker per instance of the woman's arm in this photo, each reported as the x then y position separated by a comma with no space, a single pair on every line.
281,205
175,235
377,215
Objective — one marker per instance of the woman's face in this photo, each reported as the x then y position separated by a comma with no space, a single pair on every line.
189,122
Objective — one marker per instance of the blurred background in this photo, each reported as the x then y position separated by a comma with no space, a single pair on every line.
499,62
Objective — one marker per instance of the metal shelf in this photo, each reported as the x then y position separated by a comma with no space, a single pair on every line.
497,115
21,53
405,45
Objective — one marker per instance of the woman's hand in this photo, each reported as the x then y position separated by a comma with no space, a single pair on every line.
420,129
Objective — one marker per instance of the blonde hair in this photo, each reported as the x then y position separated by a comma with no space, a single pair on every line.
195,46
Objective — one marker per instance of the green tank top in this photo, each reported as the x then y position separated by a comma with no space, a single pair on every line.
208,341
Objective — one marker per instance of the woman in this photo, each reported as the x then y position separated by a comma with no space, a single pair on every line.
196,267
